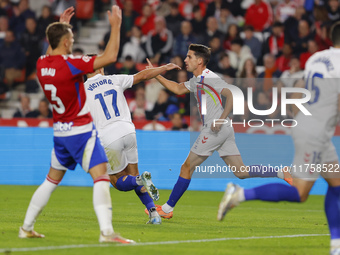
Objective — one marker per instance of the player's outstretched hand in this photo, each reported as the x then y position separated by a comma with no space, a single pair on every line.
150,65
171,66
115,16
66,16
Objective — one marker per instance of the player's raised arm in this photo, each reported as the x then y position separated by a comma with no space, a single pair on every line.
111,51
177,88
152,72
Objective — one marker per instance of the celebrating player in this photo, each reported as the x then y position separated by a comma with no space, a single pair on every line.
315,153
213,137
75,137
112,118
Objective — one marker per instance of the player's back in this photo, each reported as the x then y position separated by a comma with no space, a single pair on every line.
322,79
108,106
61,79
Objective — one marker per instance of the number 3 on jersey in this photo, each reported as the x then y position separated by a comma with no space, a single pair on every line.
114,102
58,106
312,86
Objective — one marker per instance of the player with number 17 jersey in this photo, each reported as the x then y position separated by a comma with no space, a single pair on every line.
61,78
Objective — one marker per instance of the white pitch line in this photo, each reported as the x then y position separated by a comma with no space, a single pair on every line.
73,246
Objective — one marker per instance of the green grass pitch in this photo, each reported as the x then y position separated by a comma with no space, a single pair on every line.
69,220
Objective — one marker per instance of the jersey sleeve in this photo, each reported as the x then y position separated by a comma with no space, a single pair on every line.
187,85
80,65
124,81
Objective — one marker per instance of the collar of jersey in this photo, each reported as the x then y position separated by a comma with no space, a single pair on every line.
199,76
94,77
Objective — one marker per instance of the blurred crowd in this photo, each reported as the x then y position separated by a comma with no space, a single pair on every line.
256,44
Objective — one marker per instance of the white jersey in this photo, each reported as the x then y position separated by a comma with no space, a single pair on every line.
207,88
322,79
108,106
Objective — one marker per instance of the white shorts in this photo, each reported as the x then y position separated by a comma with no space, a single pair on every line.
121,152
223,142
310,157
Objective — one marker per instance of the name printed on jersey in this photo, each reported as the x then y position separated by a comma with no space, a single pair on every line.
47,72
97,84
62,127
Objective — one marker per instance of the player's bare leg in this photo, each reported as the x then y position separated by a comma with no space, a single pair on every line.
39,200
243,171
332,207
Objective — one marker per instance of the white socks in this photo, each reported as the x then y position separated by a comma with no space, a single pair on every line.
167,208
38,202
102,205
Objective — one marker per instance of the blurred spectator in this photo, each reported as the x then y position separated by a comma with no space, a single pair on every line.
137,4
43,111
147,20
183,40
12,58
312,48
21,13
252,42
159,42
174,19
173,74
214,8
212,31
289,77
259,15
215,51
129,66
333,8
322,37
44,20
31,42
282,62
6,8
274,43
24,108
186,8
239,54
78,52
224,66
183,100
128,20
4,26
262,103
133,47
177,122
270,74
285,9
139,106
159,110
292,25
248,75
249,69
225,20
234,6
300,44
198,22
232,34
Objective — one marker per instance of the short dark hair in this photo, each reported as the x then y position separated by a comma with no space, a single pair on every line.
55,32
335,34
248,28
201,51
